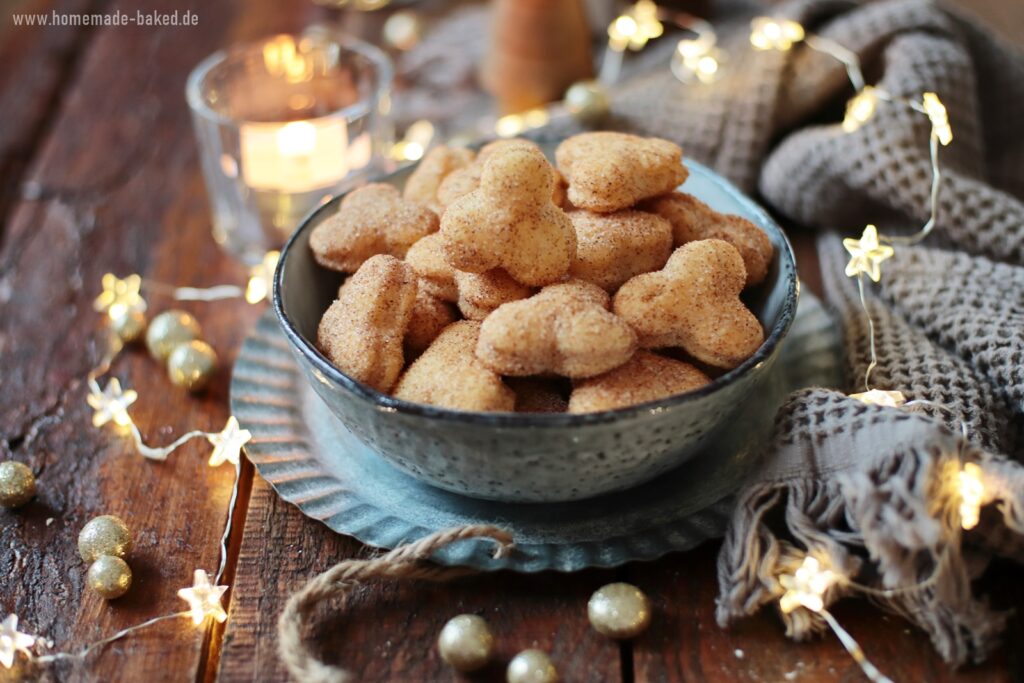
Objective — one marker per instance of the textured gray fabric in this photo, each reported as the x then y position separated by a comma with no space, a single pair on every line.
871,490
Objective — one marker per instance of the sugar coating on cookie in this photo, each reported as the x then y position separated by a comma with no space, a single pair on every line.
645,377
427,258
692,220
613,171
462,181
424,182
613,247
449,375
363,330
430,315
565,329
481,293
510,222
371,220
693,303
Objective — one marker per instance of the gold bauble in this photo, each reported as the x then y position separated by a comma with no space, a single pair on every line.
105,535
466,643
619,610
17,484
587,102
169,330
192,365
403,30
129,326
110,577
531,666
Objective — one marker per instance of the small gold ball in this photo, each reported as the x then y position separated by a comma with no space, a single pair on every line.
110,577
466,643
105,535
402,30
17,484
129,326
587,101
619,610
531,666
191,365
168,330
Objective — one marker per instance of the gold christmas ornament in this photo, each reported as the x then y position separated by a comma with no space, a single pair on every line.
403,30
191,365
169,330
110,577
587,101
129,326
17,484
531,666
619,610
104,535
466,643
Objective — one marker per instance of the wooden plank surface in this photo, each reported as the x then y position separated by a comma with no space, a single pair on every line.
117,188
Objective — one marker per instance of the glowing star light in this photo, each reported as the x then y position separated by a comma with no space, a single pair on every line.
120,296
937,115
775,34
13,641
877,397
260,277
111,404
228,444
633,29
971,493
866,254
806,586
859,109
203,599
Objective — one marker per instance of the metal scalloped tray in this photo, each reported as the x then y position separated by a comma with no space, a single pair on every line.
313,462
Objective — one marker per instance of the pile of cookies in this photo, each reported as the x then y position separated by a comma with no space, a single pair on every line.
498,282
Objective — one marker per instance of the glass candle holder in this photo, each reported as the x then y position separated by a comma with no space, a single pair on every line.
283,124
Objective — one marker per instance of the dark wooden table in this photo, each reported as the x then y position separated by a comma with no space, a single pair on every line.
99,172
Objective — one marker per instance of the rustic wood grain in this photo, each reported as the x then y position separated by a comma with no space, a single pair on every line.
685,644
35,65
98,172
387,631
115,187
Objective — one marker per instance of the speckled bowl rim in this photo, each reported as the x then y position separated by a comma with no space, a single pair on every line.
787,270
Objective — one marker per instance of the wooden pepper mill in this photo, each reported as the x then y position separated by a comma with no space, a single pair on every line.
538,48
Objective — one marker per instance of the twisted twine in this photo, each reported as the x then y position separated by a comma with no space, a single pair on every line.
404,562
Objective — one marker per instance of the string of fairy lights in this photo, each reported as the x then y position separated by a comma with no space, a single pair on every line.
696,58
119,302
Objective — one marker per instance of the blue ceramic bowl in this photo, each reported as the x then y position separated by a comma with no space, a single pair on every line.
535,457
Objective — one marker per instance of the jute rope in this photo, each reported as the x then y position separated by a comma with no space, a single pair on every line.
404,562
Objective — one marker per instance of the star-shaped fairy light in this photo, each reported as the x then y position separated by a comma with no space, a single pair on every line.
120,296
260,278
806,586
972,491
937,115
866,254
877,397
775,34
13,641
111,404
635,27
860,109
227,445
203,599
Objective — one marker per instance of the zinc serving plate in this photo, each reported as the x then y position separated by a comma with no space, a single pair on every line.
528,458
314,462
